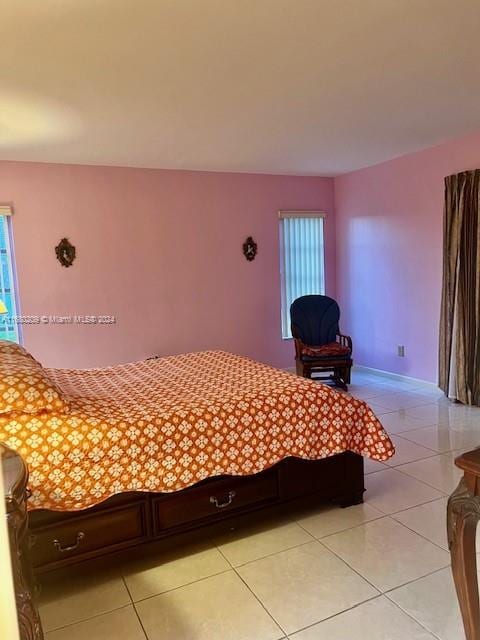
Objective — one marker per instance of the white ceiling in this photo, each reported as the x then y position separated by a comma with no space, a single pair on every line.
277,86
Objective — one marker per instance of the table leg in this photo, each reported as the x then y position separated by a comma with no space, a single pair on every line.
462,517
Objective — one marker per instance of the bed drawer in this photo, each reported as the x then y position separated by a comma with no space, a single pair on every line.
216,498
88,535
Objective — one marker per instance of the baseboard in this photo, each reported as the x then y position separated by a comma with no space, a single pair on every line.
386,374
395,376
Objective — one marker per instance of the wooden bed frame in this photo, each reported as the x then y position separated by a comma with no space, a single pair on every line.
212,506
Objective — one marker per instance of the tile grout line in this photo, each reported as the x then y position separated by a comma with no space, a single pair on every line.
274,553
314,538
409,582
126,587
350,567
412,617
403,434
445,497
378,595
390,410
284,633
187,584
409,615
399,464
423,481
231,566
134,607
381,592
420,504
96,615
354,526
381,517
444,493
403,437
386,592
419,534
140,621
335,615
417,427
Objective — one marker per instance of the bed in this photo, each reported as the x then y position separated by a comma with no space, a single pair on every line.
128,454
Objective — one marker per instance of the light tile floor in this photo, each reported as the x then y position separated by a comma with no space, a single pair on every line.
377,571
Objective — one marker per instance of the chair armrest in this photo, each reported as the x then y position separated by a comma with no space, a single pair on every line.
346,341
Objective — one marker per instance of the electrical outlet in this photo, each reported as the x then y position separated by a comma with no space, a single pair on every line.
401,351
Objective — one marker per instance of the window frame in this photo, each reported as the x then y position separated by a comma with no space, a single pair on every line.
298,213
7,221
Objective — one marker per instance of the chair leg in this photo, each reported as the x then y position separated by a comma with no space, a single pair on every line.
339,378
348,374
300,368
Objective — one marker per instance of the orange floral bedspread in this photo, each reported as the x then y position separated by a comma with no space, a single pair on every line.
165,424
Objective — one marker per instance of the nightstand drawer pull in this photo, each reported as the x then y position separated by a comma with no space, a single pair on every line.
58,545
226,503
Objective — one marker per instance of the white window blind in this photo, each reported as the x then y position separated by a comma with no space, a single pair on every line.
8,326
302,260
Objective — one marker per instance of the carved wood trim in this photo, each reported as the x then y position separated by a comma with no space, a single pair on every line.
463,514
17,522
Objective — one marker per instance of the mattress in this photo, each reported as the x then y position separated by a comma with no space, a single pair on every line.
165,424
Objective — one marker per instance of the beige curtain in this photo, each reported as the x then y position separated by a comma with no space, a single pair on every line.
459,357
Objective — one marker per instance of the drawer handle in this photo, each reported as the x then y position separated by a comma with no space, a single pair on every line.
58,545
226,503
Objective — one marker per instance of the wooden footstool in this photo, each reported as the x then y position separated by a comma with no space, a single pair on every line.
463,514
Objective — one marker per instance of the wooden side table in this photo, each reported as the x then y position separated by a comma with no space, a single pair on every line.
15,478
463,515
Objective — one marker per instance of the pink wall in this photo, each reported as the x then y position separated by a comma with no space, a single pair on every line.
389,255
160,250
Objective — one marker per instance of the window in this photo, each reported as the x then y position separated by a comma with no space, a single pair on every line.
8,327
302,263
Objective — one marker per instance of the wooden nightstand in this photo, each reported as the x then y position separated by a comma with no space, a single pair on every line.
15,478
